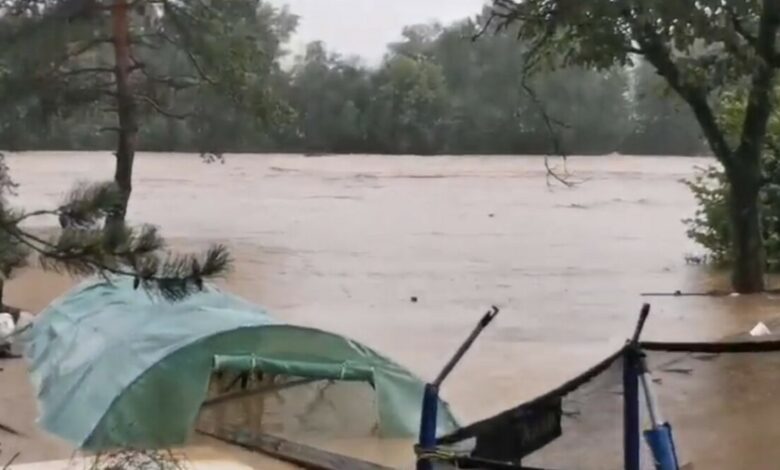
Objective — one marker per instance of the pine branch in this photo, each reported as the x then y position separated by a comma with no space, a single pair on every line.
82,252
87,204
84,247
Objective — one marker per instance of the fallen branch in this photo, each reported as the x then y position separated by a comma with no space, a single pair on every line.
10,430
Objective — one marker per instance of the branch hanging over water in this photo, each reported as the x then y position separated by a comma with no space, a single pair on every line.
502,21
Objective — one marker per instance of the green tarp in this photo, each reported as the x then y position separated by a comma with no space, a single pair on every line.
118,367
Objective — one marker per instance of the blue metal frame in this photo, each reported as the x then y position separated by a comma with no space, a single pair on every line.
632,433
430,408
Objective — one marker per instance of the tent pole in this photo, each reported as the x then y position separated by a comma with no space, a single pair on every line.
631,370
631,438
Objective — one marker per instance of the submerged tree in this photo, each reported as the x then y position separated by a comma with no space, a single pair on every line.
710,225
82,247
699,48
132,59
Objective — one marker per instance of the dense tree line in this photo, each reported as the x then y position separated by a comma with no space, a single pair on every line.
436,91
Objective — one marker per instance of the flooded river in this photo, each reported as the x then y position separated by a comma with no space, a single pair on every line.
344,242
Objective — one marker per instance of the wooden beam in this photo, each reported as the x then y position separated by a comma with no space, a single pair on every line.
304,456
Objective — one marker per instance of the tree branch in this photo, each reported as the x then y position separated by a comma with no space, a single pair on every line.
658,54
190,56
759,105
157,107
175,83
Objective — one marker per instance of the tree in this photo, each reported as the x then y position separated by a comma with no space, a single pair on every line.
662,122
104,55
699,48
82,247
488,108
330,96
710,225
408,107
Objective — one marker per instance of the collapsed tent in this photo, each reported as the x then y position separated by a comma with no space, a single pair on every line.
118,367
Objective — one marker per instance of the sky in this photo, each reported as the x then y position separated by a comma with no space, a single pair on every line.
365,27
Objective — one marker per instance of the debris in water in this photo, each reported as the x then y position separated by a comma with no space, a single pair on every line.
413,299
678,370
491,215
760,330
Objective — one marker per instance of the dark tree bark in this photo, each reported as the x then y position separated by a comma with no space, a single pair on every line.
126,108
749,256
743,165
744,173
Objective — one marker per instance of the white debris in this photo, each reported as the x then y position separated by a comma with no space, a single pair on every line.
7,327
9,330
760,330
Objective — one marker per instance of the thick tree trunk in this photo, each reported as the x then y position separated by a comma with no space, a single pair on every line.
748,243
126,108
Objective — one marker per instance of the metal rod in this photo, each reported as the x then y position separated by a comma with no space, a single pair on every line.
428,420
631,434
484,322
652,404
632,369
640,325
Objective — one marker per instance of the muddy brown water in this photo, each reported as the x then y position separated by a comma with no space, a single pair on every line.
344,242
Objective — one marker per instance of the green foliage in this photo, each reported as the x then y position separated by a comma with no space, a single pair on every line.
196,62
436,91
662,123
700,49
711,226
83,247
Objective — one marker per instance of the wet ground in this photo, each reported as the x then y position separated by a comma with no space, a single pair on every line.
344,243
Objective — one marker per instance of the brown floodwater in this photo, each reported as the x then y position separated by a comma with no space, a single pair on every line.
344,242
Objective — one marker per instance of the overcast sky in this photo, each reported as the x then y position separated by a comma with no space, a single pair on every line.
365,27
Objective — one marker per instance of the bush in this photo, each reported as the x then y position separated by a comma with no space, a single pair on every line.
710,226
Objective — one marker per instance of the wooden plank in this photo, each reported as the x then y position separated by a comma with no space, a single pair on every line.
307,457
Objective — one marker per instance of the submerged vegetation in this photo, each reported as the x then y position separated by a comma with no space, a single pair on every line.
710,226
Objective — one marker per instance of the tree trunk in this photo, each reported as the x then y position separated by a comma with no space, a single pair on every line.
126,108
748,243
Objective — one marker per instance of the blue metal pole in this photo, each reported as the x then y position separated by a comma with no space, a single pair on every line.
631,432
427,439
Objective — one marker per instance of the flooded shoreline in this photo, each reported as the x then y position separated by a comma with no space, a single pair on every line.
344,242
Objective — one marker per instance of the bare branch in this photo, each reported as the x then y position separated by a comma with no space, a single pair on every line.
176,83
157,107
554,138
